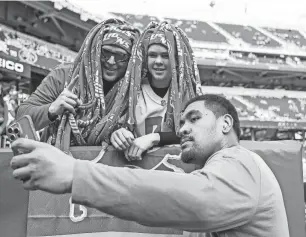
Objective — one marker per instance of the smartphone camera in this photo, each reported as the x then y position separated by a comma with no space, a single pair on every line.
13,132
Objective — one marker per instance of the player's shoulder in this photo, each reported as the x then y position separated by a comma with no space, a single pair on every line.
236,153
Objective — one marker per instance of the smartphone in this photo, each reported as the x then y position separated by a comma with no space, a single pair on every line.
22,128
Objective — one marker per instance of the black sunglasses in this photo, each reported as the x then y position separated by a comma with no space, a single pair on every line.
118,57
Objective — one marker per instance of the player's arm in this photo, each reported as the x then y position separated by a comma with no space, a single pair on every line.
213,199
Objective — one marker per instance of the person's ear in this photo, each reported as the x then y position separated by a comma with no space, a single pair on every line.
228,123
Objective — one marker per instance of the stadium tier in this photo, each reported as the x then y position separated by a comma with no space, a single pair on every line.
290,36
277,109
250,35
256,47
210,32
199,31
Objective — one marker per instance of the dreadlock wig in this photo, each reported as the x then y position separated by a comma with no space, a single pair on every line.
97,113
185,83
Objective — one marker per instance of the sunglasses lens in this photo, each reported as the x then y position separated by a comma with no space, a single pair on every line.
118,57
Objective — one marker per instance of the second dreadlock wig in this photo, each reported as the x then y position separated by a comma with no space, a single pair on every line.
185,83
98,112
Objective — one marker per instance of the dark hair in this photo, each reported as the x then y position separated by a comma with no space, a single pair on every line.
219,106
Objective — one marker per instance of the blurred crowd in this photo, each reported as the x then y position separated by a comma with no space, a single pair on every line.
10,98
263,108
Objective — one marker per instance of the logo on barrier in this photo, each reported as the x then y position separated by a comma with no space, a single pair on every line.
72,214
165,162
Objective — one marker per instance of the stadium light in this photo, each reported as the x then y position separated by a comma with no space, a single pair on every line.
84,16
58,6
212,4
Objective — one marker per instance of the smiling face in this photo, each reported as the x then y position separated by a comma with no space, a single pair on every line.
201,133
159,66
114,61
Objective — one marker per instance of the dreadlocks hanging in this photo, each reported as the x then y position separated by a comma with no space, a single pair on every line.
185,83
98,112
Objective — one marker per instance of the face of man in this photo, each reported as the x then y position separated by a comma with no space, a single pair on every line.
159,66
114,62
200,132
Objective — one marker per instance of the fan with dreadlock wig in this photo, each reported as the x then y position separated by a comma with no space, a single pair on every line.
185,83
97,113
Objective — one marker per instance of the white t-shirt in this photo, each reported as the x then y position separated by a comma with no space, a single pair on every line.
150,111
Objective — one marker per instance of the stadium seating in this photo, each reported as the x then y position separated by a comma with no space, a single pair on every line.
203,32
198,30
268,108
140,21
290,36
263,108
249,35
